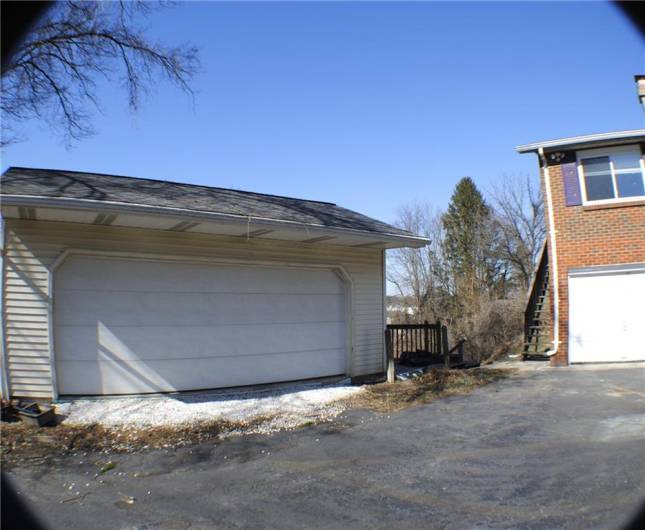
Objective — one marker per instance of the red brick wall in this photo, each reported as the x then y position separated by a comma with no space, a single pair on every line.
587,236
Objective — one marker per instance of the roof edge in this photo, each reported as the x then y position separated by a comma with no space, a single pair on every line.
123,207
590,139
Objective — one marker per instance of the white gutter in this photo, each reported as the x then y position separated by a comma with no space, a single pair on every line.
553,255
123,207
636,135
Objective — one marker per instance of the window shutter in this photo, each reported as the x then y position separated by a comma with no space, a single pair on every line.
571,184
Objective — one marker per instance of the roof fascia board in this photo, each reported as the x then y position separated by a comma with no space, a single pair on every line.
121,207
590,139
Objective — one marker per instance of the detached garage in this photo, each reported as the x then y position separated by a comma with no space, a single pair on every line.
116,285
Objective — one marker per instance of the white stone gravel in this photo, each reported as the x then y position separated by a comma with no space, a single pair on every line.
292,405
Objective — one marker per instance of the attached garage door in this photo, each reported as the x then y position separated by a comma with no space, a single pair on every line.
607,316
135,326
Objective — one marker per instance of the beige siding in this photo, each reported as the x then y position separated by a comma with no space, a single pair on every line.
32,246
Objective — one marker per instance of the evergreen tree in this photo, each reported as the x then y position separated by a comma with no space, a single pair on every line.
470,242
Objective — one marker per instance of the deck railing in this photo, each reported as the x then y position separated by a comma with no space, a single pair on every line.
422,343
414,338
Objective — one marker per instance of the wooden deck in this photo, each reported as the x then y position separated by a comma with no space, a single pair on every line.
421,345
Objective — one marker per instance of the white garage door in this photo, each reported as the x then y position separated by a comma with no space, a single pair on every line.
607,316
134,326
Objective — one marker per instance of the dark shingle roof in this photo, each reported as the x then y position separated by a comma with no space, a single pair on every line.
51,183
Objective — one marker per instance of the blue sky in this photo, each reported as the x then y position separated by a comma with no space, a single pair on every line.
367,105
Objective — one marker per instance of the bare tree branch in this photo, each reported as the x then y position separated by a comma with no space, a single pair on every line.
52,75
417,273
519,214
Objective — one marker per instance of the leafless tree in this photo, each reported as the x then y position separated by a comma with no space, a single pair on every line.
52,75
519,214
490,316
417,272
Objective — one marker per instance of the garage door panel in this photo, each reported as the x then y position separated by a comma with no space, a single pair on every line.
161,309
142,275
140,326
167,376
607,317
135,343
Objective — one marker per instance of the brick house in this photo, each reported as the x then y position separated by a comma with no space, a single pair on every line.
589,292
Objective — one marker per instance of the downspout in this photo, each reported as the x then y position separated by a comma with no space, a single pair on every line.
384,302
4,379
553,254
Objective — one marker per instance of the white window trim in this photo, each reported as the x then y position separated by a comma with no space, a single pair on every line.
608,151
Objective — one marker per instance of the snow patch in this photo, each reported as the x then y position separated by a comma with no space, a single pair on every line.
291,405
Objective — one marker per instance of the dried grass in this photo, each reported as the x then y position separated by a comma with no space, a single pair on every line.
19,441
435,384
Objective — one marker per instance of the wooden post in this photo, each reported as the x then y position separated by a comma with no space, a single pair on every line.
444,347
437,336
391,370
426,344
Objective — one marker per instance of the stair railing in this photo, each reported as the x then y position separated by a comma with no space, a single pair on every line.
535,291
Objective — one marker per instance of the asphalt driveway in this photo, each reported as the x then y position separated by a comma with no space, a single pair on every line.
549,448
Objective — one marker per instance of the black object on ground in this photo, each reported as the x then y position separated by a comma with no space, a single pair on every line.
35,414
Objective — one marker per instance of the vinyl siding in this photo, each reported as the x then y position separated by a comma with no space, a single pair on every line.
32,246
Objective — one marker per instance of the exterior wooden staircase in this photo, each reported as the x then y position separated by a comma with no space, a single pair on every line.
537,316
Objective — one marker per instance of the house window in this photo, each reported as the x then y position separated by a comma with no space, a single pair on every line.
612,175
